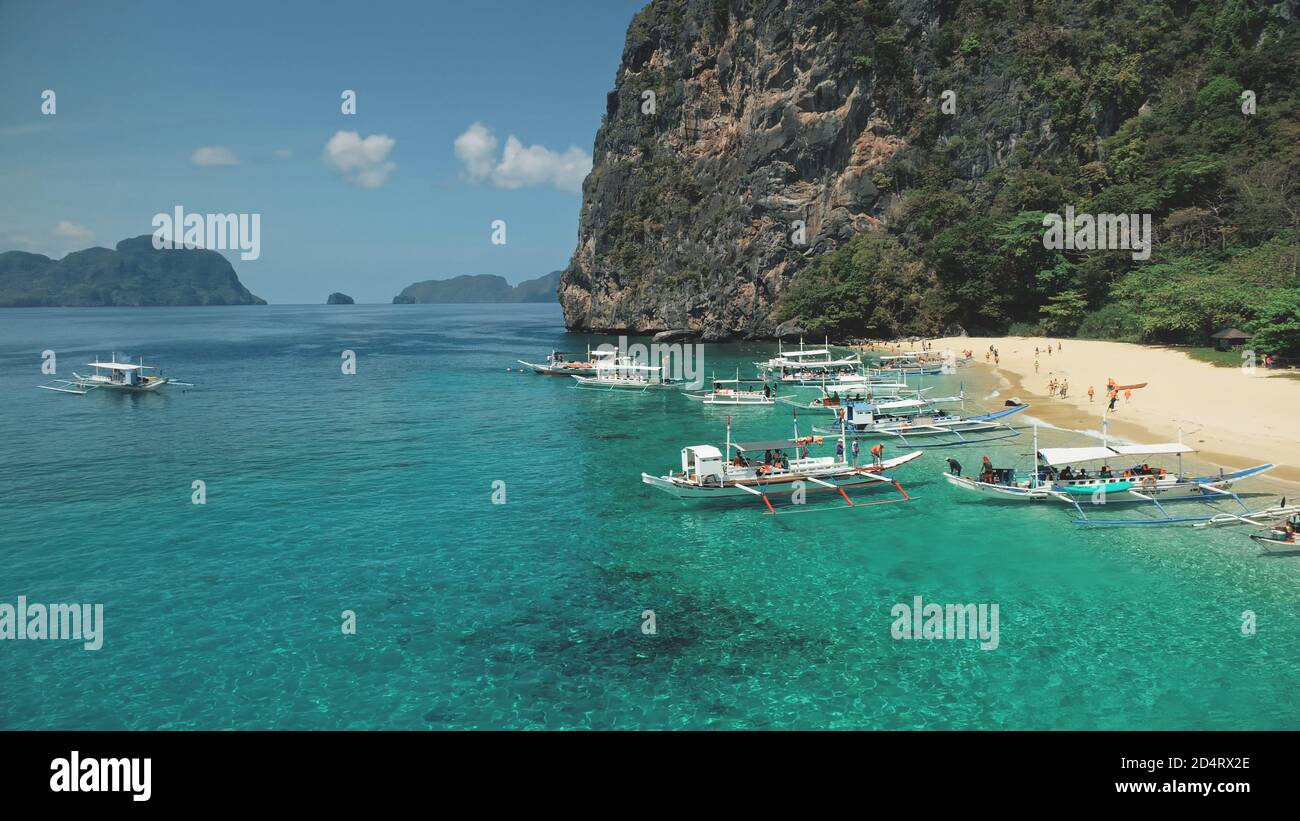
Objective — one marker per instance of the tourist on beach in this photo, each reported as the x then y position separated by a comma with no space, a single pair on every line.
1065,387
1090,393
954,466
1035,365
1128,395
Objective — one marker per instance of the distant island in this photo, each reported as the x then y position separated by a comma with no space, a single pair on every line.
338,298
135,274
480,288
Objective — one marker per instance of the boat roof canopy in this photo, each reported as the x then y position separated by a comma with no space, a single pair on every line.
118,366
1152,450
1066,456
769,444
705,451
797,354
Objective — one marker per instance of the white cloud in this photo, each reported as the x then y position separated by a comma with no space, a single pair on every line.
475,148
361,161
210,155
283,153
520,165
71,230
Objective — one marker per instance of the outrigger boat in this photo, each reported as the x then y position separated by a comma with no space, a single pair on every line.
1281,539
833,401
118,376
735,392
923,418
622,373
908,364
712,473
1281,519
1137,484
557,365
817,366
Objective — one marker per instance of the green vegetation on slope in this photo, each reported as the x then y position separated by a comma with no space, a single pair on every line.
1146,116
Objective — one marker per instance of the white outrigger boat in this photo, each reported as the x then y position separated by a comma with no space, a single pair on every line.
1136,484
1281,520
128,377
817,366
712,473
924,419
735,392
623,373
909,364
1283,536
557,365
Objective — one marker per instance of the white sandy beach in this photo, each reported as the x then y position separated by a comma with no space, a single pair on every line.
1234,417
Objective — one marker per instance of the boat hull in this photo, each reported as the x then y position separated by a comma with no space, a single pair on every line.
840,476
1116,490
550,370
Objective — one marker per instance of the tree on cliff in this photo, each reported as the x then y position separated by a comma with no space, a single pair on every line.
871,286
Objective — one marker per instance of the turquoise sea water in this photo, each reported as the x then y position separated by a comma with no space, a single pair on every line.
373,493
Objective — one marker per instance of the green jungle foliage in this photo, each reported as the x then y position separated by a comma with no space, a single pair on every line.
1145,102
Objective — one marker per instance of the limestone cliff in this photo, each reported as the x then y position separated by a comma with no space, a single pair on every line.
768,112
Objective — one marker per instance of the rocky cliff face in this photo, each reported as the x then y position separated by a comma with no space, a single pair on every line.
766,113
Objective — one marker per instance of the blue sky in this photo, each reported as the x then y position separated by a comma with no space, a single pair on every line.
141,87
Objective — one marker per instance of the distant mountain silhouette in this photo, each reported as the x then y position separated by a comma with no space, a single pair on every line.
480,288
135,274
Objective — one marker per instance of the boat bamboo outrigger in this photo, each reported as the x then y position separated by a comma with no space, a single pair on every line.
557,364
1283,536
1282,522
1138,484
623,373
128,377
712,473
923,419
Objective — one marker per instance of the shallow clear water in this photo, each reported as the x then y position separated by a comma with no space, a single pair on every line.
373,493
